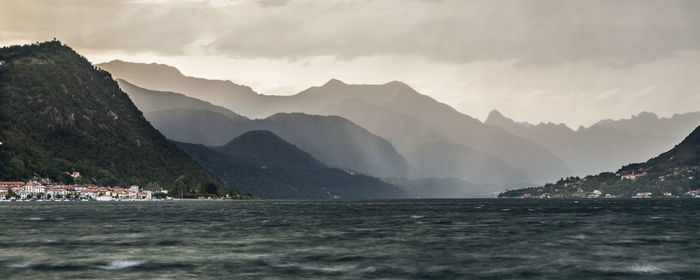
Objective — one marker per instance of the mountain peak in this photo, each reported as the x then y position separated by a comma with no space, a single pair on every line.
266,147
397,83
646,116
334,82
497,118
495,114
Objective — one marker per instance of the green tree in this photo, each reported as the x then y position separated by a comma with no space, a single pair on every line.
181,186
153,186
208,188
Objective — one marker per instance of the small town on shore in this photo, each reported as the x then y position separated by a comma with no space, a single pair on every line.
38,191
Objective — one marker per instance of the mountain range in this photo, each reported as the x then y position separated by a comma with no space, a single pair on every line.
394,111
331,139
60,114
608,143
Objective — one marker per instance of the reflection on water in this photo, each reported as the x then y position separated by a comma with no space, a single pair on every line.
407,239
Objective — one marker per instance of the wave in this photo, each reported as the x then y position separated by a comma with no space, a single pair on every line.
121,264
645,269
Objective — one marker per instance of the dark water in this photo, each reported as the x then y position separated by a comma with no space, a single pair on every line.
434,239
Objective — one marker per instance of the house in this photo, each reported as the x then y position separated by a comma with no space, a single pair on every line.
33,188
693,193
594,194
145,195
2,62
11,184
632,176
642,195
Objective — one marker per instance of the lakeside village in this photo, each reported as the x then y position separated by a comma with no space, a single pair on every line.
36,191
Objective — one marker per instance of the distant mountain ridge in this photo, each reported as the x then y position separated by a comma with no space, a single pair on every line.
395,112
606,144
332,140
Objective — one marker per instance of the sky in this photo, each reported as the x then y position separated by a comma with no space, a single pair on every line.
557,61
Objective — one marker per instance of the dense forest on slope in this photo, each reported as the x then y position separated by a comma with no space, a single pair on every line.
674,172
262,163
58,114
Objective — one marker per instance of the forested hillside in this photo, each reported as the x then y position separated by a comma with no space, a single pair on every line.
60,114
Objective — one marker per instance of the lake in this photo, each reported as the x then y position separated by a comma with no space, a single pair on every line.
399,239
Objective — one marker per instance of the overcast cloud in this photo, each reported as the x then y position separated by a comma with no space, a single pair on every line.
536,60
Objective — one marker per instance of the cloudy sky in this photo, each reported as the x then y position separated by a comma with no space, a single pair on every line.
537,60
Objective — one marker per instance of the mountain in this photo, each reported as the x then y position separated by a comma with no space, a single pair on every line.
400,113
184,118
672,173
58,114
333,140
268,149
153,101
195,126
646,124
606,144
240,99
260,162
337,142
393,111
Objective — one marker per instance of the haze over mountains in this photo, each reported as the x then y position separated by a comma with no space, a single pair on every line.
333,140
435,139
335,133
607,144
393,111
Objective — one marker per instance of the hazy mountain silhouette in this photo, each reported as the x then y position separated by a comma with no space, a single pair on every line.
241,99
266,148
647,124
412,119
393,111
333,140
151,101
606,144
195,126
262,163
336,142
